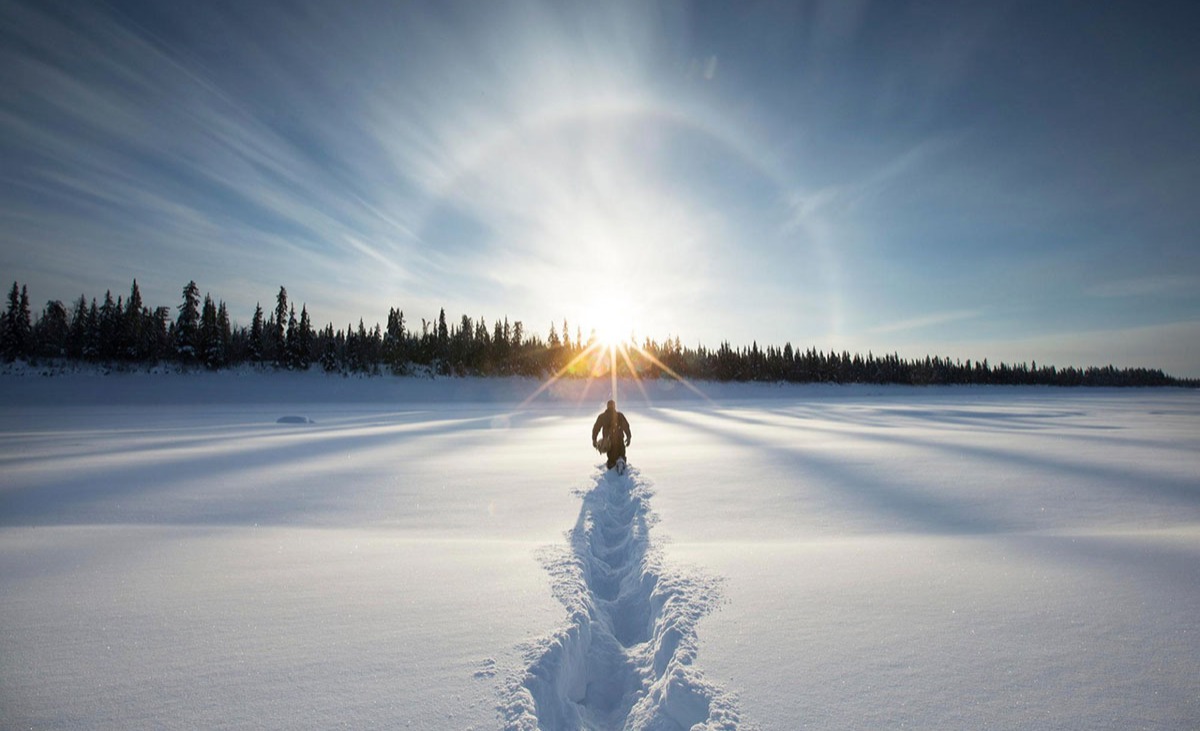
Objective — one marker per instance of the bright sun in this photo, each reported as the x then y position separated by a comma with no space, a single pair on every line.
612,324
609,335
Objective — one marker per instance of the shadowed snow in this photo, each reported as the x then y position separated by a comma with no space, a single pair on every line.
625,660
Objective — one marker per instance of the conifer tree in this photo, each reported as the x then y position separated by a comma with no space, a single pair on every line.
395,342
304,346
77,338
24,327
8,325
293,340
330,359
134,304
443,336
187,325
224,333
52,330
91,348
464,345
133,325
256,334
158,335
110,328
375,345
359,359
268,341
482,338
208,341
280,334
16,329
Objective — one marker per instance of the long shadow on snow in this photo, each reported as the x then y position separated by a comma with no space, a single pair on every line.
145,443
1124,557
79,496
993,421
917,509
1182,490
624,661
887,417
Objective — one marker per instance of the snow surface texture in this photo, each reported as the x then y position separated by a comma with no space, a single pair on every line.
172,557
625,660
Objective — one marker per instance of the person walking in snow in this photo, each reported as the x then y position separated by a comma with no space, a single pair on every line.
615,435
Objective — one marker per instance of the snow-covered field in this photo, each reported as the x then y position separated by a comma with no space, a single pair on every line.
295,551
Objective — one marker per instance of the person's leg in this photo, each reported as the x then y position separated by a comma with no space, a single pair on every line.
616,451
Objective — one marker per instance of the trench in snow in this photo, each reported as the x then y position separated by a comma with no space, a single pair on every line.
625,658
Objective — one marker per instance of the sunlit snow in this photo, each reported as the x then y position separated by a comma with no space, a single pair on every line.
285,551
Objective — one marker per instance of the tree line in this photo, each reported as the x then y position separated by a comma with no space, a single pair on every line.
198,333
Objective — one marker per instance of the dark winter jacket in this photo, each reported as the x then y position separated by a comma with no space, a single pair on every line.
612,423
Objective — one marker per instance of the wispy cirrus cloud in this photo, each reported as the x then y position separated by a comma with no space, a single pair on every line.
1165,285
506,128
926,321
741,172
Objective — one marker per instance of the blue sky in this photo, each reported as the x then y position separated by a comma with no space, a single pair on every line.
1009,180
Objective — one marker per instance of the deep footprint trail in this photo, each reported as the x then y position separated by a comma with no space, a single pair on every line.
625,659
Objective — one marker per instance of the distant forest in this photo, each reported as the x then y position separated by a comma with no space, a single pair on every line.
198,334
